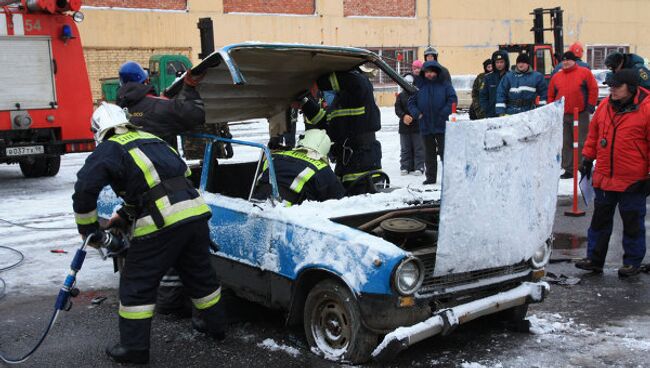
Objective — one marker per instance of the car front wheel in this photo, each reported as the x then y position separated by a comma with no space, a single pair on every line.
333,325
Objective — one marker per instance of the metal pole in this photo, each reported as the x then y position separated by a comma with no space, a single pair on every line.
575,212
429,22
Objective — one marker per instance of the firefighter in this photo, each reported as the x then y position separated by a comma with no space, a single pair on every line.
303,173
160,116
168,219
351,119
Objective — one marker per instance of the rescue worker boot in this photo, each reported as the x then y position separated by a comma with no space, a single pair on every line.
588,265
628,270
120,354
211,321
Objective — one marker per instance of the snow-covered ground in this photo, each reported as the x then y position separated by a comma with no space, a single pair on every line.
46,202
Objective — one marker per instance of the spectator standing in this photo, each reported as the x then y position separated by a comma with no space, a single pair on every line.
488,94
577,50
580,90
412,151
432,106
519,89
617,61
619,141
475,110
416,67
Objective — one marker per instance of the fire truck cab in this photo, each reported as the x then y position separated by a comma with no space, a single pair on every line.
45,98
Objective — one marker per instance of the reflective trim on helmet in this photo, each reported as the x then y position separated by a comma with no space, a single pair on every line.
136,311
208,300
317,118
334,82
346,112
299,182
146,166
172,214
86,218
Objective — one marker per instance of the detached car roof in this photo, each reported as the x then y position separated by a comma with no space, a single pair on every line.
258,80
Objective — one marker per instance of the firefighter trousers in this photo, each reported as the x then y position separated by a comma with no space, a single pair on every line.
186,248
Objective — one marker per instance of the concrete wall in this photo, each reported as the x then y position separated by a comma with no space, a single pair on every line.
465,32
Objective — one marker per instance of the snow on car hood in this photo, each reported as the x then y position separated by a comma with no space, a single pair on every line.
499,189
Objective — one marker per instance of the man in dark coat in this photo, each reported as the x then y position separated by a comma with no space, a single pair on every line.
617,61
412,151
488,94
160,116
351,119
475,110
432,106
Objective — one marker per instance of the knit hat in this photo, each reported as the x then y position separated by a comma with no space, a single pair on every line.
577,49
523,58
624,76
614,59
417,64
569,56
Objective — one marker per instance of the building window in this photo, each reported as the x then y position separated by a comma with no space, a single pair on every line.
596,54
299,7
399,59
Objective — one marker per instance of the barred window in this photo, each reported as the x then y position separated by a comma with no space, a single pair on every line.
596,54
399,59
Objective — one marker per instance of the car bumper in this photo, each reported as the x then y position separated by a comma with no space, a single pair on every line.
445,320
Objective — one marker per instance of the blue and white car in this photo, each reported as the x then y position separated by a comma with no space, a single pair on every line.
370,275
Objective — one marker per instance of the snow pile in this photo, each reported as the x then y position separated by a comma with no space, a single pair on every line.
509,166
271,345
462,82
479,365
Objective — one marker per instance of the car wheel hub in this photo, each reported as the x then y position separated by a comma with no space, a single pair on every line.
330,326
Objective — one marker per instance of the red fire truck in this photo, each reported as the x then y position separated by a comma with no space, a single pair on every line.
45,98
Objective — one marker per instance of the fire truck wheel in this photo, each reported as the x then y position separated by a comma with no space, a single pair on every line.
42,166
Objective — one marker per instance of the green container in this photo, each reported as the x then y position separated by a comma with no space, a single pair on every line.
109,89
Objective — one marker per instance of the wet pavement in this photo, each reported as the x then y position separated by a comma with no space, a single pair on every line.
603,321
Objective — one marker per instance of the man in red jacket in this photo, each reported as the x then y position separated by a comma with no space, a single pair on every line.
619,140
579,88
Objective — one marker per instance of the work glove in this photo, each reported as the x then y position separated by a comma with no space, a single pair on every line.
585,168
193,80
590,109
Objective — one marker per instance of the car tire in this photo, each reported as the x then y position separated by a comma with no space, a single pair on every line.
333,326
42,166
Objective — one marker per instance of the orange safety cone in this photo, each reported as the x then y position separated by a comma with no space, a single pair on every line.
453,116
575,212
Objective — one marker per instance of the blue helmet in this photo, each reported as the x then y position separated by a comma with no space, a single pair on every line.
132,72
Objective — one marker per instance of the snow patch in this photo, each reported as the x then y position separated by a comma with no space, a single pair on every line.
271,345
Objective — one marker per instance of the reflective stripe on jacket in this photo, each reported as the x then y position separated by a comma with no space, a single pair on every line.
518,91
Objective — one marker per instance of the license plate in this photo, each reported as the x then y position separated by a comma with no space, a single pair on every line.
25,150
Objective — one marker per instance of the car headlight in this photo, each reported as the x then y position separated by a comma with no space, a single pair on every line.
541,256
408,276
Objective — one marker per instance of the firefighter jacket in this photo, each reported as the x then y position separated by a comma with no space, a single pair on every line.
147,174
518,91
488,94
300,178
160,116
578,87
619,141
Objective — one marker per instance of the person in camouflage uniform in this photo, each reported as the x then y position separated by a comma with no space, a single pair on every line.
475,110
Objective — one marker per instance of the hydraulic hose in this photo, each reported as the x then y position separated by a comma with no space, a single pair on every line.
62,301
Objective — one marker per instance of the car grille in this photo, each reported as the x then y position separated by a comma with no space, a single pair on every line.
431,284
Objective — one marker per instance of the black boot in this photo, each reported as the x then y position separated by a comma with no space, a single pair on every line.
121,354
212,320
628,270
588,265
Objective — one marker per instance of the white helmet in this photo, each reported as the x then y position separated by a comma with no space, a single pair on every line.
317,143
108,116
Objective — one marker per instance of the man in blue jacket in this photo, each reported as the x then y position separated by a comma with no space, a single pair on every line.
518,90
488,94
432,105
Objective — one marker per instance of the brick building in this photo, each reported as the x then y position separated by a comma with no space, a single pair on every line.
464,31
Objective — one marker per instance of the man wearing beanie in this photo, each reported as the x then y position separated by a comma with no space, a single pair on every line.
577,50
580,90
519,89
618,61
619,142
488,94
475,110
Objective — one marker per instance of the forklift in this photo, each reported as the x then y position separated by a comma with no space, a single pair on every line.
543,56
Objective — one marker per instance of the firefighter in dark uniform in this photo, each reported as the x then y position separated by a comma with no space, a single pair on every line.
303,173
166,119
168,221
351,119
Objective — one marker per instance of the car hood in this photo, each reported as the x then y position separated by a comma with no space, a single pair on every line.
258,80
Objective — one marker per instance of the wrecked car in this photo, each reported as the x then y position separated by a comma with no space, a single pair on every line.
369,275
